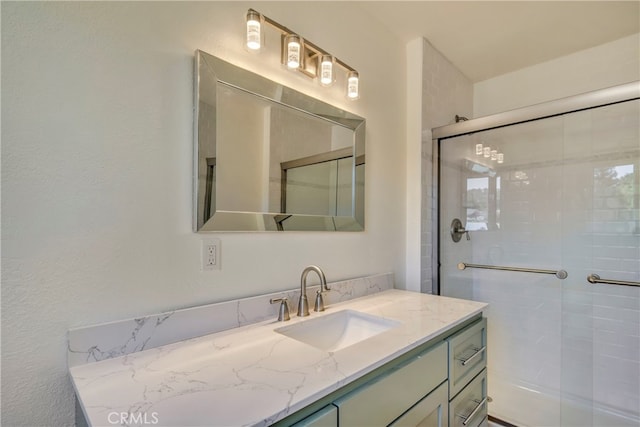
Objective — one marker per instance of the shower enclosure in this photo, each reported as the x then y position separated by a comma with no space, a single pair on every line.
548,202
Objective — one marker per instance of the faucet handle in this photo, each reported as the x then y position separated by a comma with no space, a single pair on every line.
283,311
319,305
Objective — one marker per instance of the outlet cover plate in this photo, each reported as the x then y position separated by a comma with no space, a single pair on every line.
210,254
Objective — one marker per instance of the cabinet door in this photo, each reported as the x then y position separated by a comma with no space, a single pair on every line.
469,408
325,417
432,411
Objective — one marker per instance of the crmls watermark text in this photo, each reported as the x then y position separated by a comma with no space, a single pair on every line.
136,418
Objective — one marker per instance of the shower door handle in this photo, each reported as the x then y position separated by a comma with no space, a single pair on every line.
594,278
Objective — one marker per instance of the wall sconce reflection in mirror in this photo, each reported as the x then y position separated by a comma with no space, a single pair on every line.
300,54
489,153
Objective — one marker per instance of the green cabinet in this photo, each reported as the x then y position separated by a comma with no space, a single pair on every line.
431,411
469,407
387,397
325,417
467,355
468,376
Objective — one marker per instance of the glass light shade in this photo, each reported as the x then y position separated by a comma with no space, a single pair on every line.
494,154
487,152
294,50
254,36
353,80
326,70
500,158
479,149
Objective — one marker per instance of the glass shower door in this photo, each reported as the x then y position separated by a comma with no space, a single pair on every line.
601,322
554,194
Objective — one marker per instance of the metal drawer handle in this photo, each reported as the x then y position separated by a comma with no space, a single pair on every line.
477,353
474,412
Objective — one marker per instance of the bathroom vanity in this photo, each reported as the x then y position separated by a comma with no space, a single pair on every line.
421,361
440,383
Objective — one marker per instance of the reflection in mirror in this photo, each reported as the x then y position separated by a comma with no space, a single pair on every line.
272,159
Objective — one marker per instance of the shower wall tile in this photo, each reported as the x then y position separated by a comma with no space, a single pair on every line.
445,93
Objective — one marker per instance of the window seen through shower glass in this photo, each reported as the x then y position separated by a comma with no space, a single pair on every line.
616,196
481,199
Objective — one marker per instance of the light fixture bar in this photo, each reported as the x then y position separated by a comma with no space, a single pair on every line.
310,54
309,44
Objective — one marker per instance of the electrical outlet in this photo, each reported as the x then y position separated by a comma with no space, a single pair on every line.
210,254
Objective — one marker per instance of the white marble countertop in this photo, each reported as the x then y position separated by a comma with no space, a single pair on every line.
252,375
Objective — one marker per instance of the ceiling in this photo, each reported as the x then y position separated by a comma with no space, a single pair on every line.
485,39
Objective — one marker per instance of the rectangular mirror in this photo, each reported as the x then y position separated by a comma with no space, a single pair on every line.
269,158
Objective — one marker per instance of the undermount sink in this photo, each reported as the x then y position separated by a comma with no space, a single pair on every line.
338,330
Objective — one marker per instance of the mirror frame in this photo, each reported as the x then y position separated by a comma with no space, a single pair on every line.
222,72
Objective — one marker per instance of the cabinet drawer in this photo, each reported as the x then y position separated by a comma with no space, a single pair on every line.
469,408
325,417
467,355
385,398
431,411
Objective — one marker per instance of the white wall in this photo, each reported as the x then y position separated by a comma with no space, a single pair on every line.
97,165
602,66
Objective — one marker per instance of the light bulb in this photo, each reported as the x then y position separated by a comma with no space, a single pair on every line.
253,30
478,149
353,80
326,70
294,48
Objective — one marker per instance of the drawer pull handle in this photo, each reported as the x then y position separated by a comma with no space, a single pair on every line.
474,412
478,352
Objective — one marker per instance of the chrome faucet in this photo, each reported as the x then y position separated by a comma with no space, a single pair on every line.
303,303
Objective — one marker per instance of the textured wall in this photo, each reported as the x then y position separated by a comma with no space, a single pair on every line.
97,173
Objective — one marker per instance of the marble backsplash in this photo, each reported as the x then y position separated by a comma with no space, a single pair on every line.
104,341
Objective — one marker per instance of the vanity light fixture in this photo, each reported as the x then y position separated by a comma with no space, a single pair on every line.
294,51
353,80
302,55
326,70
254,30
